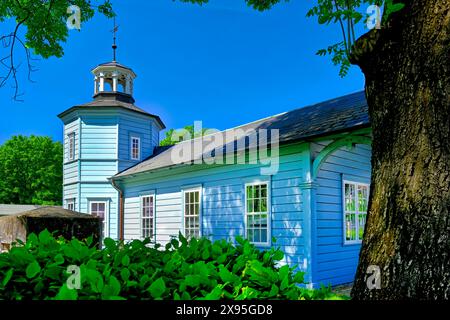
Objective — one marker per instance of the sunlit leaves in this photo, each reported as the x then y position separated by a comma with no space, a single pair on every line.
45,21
139,270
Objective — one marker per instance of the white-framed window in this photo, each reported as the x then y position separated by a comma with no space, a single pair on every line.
257,213
70,204
191,212
148,216
99,208
355,203
71,146
135,148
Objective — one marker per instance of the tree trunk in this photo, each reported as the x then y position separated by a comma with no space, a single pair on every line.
407,68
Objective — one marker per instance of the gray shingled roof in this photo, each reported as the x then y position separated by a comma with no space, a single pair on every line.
332,116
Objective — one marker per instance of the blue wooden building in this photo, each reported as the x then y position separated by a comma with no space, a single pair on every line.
308,190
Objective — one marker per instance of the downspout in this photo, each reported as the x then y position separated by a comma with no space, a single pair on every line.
121,211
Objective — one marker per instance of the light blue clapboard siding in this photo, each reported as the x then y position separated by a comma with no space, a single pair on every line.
98,170
223,202
137,125
99,137
336,262
70,172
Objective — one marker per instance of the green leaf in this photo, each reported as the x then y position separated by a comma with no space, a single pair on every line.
205,254
299,277
273,291
278,255
45,236
112,289
110,243
157,288
125,274
33,269
126,260
226,275
65,293
284,284
95,279
7,277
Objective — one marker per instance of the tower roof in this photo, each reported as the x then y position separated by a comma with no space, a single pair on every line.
112,100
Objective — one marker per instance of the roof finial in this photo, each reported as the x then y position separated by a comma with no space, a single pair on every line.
114,46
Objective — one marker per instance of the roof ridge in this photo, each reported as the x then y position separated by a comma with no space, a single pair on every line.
340,114
272,116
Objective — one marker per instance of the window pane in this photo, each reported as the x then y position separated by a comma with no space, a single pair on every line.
264,235
350,226
362,224
250,221
257,206
362,198
264,191
250,236
197,209
258,235
197,222
250,206
263,205
264,220
197,196
350,199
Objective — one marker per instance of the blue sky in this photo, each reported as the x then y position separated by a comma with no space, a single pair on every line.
222,63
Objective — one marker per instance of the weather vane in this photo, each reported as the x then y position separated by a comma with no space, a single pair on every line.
114,46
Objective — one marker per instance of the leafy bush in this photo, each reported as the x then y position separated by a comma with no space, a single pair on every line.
195,269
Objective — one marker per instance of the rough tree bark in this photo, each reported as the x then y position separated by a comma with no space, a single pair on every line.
407,68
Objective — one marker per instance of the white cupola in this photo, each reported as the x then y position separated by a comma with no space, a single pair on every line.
113,78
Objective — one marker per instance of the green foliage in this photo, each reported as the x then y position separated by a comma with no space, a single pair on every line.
31,171
175,136
45,21
347,13
194,269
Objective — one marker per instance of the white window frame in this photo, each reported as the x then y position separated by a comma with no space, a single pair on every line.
132,137
106,219
268,243
200,214
70,201
344,226
141,216
71,146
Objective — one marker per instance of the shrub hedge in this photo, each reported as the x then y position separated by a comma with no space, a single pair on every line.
194,269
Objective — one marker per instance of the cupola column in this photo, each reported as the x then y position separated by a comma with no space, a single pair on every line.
102,82
115,79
